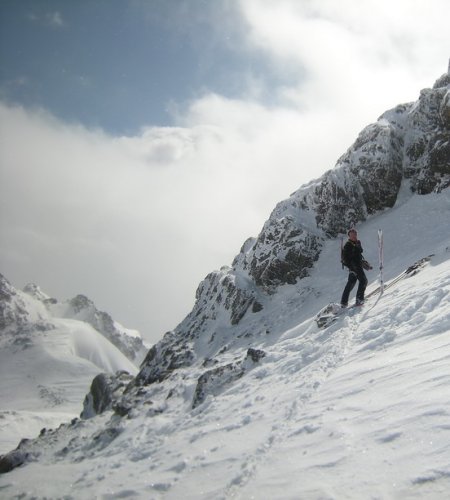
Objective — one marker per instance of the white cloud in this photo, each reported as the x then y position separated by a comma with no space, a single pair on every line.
137,222
353,49
53,19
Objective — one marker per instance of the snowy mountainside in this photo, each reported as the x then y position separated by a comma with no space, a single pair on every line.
288,410
247,396
81,308
407,151
47,363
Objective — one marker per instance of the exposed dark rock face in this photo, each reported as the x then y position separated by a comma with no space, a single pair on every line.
105,391
255,355
283,253
427,140
11,460
8,315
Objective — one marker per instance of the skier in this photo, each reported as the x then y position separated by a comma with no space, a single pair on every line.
353,259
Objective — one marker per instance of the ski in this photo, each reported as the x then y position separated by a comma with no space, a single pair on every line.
381,258
409,271
330,313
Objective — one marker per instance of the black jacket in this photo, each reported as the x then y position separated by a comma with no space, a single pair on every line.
352,255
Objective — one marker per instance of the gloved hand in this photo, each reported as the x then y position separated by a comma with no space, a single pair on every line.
366,265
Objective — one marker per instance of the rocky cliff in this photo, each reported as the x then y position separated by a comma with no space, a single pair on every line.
410,143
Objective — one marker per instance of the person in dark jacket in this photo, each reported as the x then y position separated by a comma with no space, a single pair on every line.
353,259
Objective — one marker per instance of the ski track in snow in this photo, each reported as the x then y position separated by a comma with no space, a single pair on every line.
335,346
431,308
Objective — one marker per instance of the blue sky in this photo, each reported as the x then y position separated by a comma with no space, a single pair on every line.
142,142
121,65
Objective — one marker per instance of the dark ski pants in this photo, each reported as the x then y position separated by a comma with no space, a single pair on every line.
353,277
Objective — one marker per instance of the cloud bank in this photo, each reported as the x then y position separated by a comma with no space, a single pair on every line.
136,222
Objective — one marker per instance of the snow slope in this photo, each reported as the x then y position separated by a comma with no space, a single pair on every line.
45,372
358,410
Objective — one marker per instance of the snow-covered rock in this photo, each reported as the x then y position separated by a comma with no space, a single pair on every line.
215,380
104,392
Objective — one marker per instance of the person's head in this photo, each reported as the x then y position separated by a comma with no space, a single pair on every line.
353,234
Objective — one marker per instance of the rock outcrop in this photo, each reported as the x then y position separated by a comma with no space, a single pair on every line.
106,390
410,143
216,380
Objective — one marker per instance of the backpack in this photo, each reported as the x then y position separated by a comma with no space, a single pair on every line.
342,253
